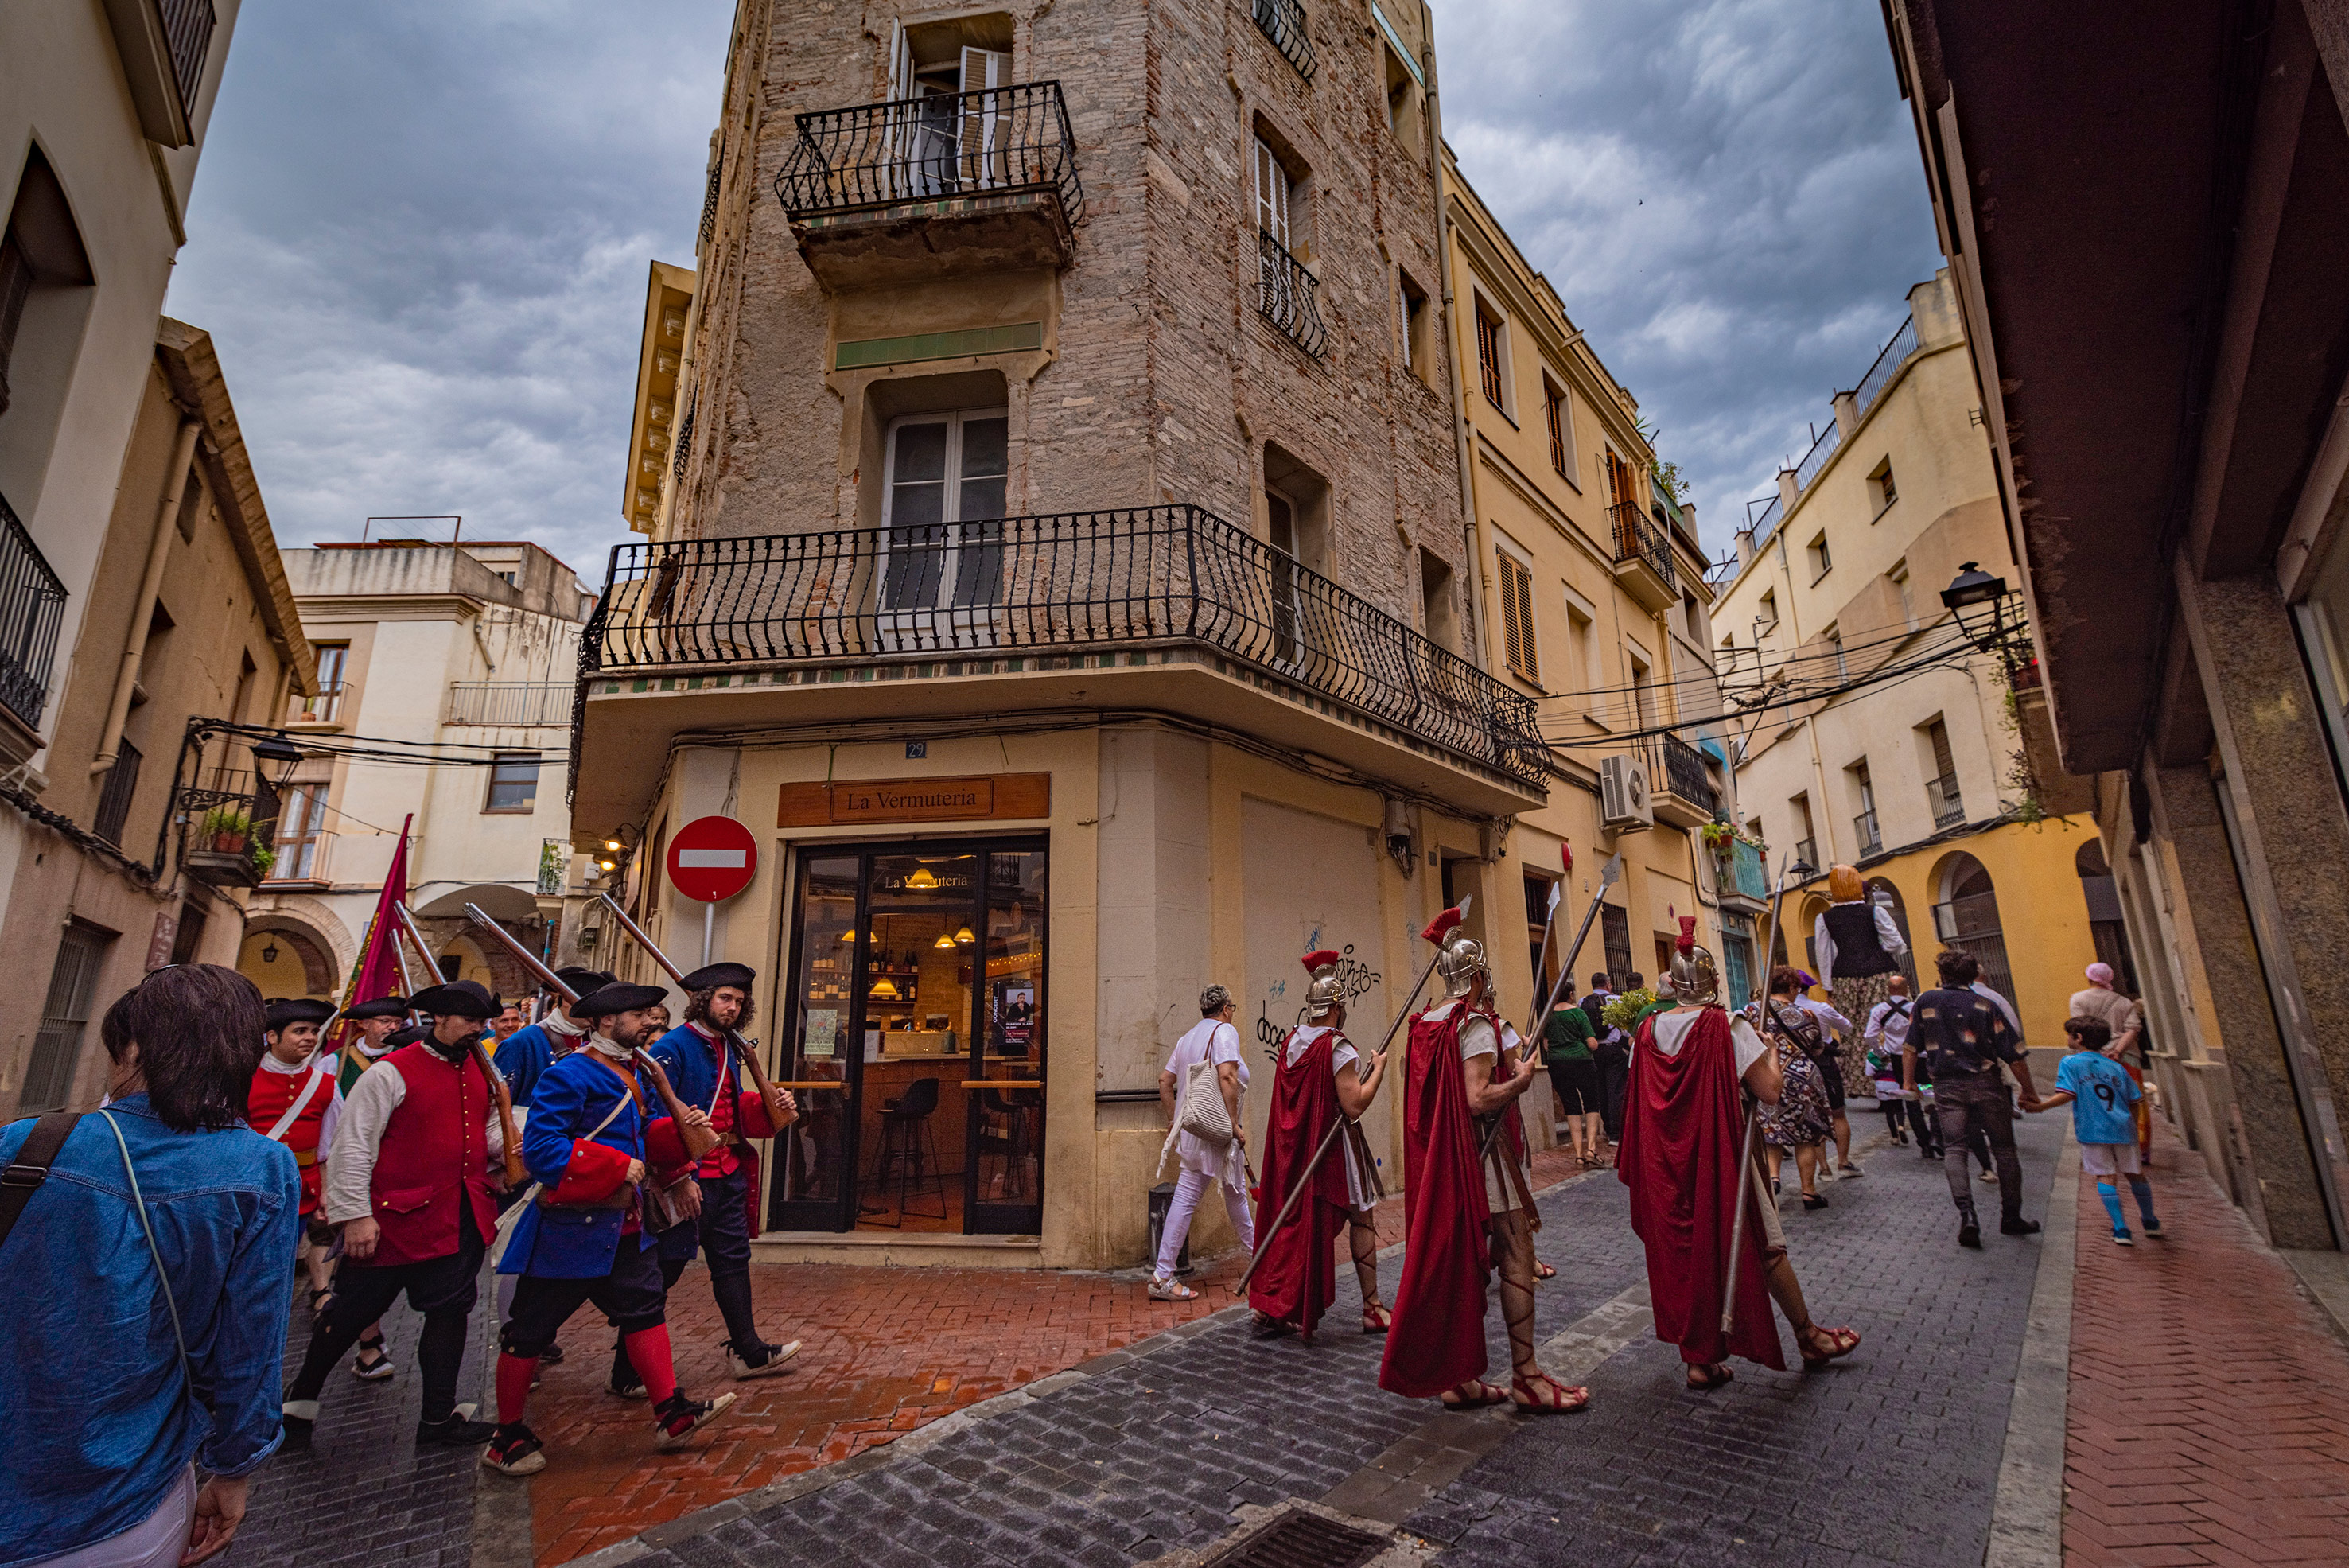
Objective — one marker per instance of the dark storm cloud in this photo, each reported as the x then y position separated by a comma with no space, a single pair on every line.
420,235
421,230
1725,195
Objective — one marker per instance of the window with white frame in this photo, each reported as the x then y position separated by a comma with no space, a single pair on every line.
940,512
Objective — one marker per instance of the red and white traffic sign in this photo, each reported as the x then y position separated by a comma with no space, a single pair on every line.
711,858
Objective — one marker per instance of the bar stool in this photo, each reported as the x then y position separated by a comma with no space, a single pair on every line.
910,1147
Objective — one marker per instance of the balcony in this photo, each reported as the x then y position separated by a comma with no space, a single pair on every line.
1807,853
1289,297
1942,795
1743,881
221,825
1283,22
1678,785
1643,558
32,608
324,711
1165,608
512,704
1871,841
888,194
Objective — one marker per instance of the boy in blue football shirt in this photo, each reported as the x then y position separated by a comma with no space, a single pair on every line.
2103,1099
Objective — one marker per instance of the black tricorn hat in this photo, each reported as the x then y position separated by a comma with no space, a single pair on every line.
458,999
282,1011
382,1007
710,976
618,997
582,980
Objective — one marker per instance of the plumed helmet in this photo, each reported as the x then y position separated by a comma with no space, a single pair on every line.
1326,992
1695,979
1460,958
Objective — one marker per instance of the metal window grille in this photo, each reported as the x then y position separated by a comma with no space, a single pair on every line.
1064,585
32,608
1286,296
57,1046
684,440
114,799
1639,538
709,198
1283,22
1615,931
1949,807
994,142
1871,841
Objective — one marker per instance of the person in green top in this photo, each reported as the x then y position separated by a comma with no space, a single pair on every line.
1574,1074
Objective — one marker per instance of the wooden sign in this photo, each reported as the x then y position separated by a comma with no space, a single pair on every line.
981,797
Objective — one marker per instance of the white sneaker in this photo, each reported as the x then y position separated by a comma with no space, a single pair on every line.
776,1356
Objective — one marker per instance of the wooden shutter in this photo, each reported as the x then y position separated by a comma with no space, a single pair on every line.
985,133
1517,618
1488,358
1271,195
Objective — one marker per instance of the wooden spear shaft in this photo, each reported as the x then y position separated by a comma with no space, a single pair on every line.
1745,1143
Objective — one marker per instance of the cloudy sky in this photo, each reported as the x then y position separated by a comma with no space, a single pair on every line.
421,230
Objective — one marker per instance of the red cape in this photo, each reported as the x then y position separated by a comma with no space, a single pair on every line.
1683,1122
1438,1339
1299,1271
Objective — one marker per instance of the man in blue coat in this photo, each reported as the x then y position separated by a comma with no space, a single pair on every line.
703,1059
583,1238
528,1052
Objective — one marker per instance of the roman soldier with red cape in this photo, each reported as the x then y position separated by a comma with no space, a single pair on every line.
1319,1094
1683,1130
1459,1221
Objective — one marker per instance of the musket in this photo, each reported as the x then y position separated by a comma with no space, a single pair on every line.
698,1136
1608,874
749,1058
516,1172
1297,1189
1746,1145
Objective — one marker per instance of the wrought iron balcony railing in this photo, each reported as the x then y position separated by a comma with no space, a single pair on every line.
1283,21
1871,840
1807,853
1673,764
1748,878
1286,294
994,142
1949,807
1639,537
32,609
517,704
1073,582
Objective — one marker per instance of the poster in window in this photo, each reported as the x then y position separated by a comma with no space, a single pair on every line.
823,1031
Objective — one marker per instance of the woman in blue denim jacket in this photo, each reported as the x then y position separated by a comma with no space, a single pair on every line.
104,1423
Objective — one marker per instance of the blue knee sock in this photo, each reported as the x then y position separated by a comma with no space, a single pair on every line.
2143,1190
2111,1197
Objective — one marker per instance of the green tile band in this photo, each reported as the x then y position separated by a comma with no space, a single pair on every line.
865,351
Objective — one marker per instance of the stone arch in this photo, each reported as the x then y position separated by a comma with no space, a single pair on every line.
1966,915
450,932
288,956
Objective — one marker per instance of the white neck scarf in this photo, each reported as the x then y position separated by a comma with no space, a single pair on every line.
604,1045
556,1023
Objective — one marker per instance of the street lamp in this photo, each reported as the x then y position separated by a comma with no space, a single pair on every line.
1972,589
277,753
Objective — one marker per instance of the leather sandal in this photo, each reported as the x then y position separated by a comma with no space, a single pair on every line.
1376,1319
1820,1346
1544,1394
1486,1394
1704,1379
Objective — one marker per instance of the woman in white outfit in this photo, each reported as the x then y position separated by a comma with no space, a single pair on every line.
1214,1040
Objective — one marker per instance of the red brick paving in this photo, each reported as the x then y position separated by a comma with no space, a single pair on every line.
2206,1424
884,1351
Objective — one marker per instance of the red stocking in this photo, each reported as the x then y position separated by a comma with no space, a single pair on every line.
648,1353
514,1373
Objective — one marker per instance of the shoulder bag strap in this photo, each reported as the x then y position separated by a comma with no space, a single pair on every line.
31,1166
155,1253
293,1111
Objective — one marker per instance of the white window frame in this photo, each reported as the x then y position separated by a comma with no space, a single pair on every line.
943,621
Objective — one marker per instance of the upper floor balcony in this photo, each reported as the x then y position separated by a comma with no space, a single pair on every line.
1679,785
886,193
1742,878
1159,609
1289,296
1643,557
32,610
510,704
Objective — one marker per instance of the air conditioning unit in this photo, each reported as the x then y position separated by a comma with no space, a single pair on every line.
1623,803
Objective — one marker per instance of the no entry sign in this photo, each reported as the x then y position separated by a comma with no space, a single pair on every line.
711,858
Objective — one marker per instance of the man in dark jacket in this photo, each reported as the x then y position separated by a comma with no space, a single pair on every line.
1613,1054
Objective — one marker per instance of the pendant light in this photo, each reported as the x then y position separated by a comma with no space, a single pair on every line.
921,880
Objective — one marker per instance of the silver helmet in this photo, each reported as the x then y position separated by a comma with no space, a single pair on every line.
1326,990
1694,979
1461,964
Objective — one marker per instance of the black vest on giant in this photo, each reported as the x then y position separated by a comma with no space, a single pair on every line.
1857,949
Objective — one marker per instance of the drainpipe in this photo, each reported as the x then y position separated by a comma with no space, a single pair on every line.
158,553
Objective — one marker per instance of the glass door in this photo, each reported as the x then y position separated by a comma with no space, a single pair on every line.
1004,1192
811,1187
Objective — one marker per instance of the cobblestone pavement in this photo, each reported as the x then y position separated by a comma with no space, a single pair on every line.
2205,1423
1161,1449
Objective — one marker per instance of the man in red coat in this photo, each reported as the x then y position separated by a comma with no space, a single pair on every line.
1319,1086
1460,1220
294,1100
410,1181
1684,1127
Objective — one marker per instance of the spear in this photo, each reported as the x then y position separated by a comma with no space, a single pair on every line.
1296,1190
1753,1120
767,1091
698,1136
515,1174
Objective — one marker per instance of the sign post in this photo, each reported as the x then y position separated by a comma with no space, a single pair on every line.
711,859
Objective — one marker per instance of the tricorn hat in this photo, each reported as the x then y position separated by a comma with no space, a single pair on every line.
710,976
582,980
458,999
382,1007
617,997
282,1011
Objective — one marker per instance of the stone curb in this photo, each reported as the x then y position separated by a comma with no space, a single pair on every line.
2026,1521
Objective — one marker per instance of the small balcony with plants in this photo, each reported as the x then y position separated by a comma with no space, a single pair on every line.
889,194
1739,869
229,830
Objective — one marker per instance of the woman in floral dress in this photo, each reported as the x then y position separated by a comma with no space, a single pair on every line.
1800,1121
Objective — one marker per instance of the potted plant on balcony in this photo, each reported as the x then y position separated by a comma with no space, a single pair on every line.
228,828
264,860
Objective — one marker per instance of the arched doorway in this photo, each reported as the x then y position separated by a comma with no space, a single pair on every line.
1884,894
2103,900
1966,917
285,960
